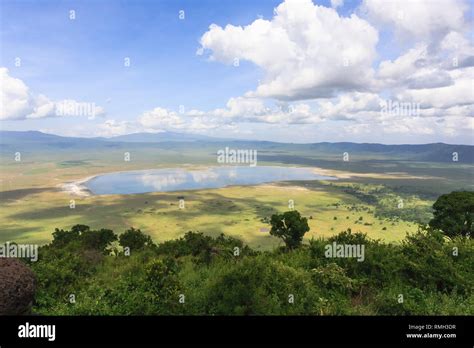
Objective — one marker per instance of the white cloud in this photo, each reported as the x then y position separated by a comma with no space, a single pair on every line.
242,107
43,108
302,50
112,128
18,103
449,127
160,118
164,119
318,69
15,99
306,51
461,92
420,68
237,110
350,105
403,66
408,125
418,19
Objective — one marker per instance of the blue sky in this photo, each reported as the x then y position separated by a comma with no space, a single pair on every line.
83,60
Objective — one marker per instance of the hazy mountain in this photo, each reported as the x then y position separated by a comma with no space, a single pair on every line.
29,136
37,141
9,137
18,137
160,137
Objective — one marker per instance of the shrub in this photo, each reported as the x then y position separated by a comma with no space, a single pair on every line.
135,239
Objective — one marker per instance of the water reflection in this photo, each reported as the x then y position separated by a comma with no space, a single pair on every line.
179,179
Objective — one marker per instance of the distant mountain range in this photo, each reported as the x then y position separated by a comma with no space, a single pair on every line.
160,137
36,136
34,140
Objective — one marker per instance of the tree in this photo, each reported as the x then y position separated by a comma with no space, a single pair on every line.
84,237
134,239
290,227
98,240
260,285
454,213
62,238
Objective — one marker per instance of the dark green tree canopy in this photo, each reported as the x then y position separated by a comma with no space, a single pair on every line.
98,239
289,226
135,239
454,213
84,236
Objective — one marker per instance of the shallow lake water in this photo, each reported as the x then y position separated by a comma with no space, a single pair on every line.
181,179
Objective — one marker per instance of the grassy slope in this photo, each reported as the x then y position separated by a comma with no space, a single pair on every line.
32,206
235,211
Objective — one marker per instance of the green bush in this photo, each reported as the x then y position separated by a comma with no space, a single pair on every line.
431,271
135,240
258,286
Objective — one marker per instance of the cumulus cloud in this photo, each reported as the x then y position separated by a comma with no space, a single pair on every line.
310,52
414,69
320,68
418,19
460,92
163,119
420,69
243,109
111,128
15,99
17,102
306,51
450,127
405,65
237,110
436,73
349,106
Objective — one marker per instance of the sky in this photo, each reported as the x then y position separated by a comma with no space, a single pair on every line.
295,71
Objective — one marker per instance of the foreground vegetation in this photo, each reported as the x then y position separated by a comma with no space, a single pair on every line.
95,272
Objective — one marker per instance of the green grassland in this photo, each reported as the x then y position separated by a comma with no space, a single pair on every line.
32,204
234,211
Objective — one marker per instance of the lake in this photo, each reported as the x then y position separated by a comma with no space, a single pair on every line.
179,179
